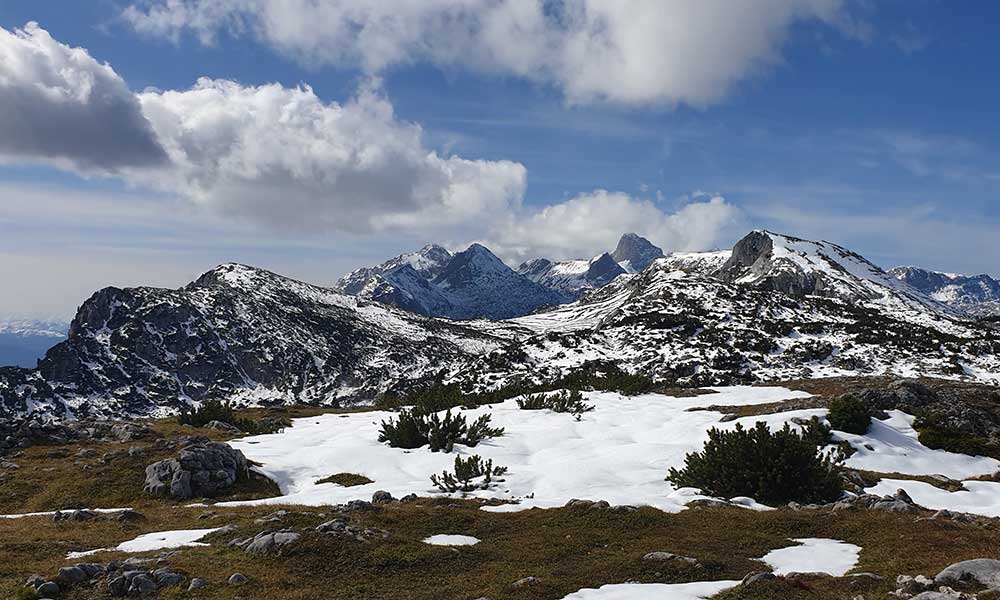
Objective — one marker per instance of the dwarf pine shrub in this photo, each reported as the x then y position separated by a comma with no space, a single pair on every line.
467,471
848,413
772,467
563,402
216,410
411,429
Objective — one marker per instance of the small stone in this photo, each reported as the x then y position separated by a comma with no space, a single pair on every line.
237,579
757,576
141,586
382,497
196,584
72,575
525,582
48,589
668,556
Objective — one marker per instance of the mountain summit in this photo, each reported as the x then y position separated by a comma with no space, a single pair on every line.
634,252
471,284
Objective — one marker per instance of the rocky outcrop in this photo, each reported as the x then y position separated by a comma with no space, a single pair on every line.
43,430
634,252
201,469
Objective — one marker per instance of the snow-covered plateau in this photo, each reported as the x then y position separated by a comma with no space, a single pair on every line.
620,453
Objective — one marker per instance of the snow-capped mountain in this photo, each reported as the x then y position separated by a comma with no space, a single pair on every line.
571,278
471,284
975,294
634,252
237,333
778,307
775,307
426,262
24,340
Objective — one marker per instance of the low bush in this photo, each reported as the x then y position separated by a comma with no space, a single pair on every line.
467,471
346,479
817,432
935,432
771,467
414,430
848,413
563,402
216,410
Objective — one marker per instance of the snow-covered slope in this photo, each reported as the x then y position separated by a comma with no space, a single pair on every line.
426,262
237,333
571,278
800,309
975,294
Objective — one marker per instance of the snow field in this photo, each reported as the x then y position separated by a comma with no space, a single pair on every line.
620,452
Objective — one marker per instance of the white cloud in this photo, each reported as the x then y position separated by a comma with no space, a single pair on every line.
59,105
619,51
593,222
283,157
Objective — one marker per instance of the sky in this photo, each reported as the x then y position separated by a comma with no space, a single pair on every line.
143,142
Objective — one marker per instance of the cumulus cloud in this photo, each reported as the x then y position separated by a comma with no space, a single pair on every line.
593,222
619,51
60,105
283,157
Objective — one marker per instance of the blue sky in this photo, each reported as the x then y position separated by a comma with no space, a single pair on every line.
868,124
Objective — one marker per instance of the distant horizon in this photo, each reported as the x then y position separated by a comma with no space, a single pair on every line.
65,318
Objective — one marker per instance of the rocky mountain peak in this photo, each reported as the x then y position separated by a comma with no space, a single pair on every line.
635,252
603,269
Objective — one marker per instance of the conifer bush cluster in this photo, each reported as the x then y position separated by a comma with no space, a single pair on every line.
467,471
771,467
216,410
414,429
563,402
848,413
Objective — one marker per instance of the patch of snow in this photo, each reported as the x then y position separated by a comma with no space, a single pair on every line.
52,512
444,539
891,446
654,591
814,555
160,540
978,497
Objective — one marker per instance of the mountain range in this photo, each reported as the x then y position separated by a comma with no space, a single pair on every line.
774,307
977,294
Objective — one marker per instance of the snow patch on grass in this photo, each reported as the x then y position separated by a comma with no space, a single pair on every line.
814,555
443,539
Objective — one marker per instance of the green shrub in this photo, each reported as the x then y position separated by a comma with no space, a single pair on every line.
210,410
412,429
817,432
771,467
216,410
848,413
466,472
935,432
563,402
407,431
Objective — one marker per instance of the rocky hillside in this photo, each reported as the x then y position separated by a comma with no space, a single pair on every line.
236,333
777,308
774,308
977,295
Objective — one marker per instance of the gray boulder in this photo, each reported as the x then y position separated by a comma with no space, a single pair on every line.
201,469
984,571
668,557
237,579
270,542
